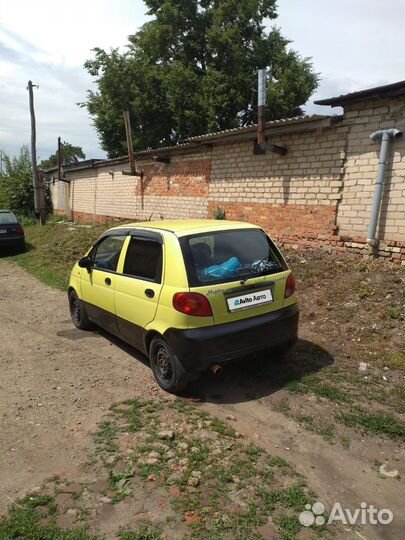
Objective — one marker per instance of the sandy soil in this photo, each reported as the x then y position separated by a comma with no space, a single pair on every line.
58,382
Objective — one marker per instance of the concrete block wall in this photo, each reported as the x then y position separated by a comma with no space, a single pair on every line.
292,196
361,170
319,193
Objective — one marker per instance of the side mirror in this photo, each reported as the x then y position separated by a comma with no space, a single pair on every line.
85,262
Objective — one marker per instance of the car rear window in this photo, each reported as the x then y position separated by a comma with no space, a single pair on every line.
7,217
221,256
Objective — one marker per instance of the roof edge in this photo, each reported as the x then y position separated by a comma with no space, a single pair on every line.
378,92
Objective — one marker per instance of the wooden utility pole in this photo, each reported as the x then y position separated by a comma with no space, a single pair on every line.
128,133
39,196
59,159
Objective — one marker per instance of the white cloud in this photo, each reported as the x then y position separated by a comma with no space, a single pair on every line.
48,43
354,44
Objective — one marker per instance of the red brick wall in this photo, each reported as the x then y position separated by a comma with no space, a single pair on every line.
287,221
318,194
181,179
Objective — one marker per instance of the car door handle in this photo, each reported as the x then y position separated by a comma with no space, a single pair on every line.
149,293
107,281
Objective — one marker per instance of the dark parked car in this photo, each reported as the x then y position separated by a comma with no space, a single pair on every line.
11,231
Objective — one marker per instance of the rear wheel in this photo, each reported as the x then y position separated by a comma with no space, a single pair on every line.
78,312
167,370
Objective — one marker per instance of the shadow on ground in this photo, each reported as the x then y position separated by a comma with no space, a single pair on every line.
258,376
11,251
247,379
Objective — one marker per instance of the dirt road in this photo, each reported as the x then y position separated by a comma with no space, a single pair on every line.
58,382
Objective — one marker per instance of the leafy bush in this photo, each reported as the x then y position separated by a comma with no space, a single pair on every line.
16,189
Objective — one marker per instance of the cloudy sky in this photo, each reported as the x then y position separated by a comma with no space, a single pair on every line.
354,44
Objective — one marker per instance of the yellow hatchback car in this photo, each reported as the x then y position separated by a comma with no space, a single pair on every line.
189,294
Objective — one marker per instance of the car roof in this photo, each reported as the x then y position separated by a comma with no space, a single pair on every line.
182,227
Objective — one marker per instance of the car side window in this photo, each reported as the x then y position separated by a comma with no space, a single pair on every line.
106,253
144,259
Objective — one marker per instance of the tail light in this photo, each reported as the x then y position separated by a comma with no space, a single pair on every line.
289,286
19,230
192,304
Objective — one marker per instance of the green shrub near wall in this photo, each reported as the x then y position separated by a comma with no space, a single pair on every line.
16,189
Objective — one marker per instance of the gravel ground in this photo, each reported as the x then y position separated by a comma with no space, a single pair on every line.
57,383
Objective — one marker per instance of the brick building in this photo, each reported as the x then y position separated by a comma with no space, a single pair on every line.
319,193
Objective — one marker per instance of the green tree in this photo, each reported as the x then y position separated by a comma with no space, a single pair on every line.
192,69
70,154
16,190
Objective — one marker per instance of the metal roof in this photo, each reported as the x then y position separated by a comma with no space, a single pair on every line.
253,127
78,165
387,91
195,141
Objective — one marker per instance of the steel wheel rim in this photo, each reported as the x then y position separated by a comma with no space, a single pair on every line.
164,364
75,309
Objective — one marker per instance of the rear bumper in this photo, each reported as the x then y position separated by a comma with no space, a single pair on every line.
12,241
198,348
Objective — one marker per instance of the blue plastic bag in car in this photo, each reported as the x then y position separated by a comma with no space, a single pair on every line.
224,270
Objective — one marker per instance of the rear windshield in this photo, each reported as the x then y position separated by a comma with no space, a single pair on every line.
7,217
222,256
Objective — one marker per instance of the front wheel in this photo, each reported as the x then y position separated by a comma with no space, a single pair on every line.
167,370
78,312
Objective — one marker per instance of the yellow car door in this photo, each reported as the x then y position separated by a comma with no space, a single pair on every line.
138,285
98,283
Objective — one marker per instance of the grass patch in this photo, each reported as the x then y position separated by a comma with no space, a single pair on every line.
289,526
106,436
53,249
313,384
328,433
394,360
24,522
145,532
376,423
223,486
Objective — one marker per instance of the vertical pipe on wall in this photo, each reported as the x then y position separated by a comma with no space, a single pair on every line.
385,136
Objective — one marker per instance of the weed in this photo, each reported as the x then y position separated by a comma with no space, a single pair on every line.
145,532
278,462
395,313
106,435
377,423
345,442
328,433
313,384
289,526
23,518
223,429
282,406
308,421
394,360
229,471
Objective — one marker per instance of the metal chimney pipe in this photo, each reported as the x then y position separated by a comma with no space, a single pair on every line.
261,106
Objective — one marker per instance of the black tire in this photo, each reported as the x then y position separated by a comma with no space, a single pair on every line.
167,370
78,312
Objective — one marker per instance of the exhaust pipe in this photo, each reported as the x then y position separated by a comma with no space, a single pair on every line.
216,369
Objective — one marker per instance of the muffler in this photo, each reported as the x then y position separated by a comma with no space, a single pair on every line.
216,369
